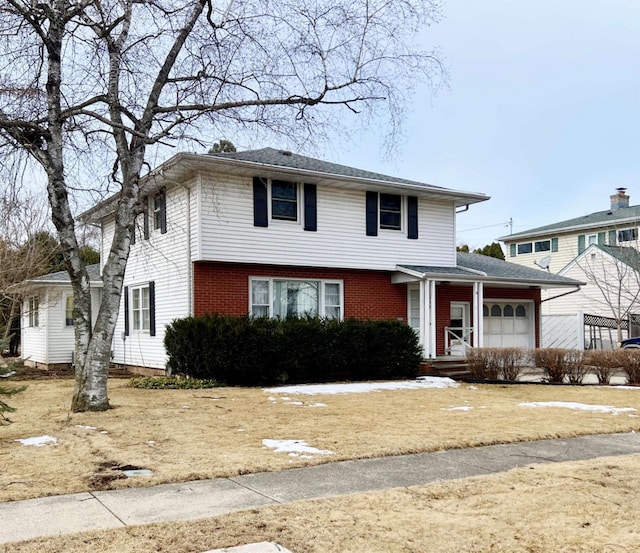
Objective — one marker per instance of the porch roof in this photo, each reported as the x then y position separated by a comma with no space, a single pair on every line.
473,267
62,278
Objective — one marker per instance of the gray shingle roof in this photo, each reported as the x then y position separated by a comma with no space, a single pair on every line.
483,267
284,158
599,219
62,277
630,256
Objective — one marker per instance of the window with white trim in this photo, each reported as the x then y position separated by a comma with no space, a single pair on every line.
68,310
284,200
391,211
592,239
627,235
281,298
525,247
542,246
140,308
34,311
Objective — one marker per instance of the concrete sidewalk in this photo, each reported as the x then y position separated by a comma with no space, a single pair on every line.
49,516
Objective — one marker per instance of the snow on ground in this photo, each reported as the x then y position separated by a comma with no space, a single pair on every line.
365,387
38,441
294,447
580,406
461,408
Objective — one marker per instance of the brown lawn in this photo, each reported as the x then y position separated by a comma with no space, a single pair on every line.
584,507
182,435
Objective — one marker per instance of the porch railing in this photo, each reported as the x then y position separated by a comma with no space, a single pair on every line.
457,337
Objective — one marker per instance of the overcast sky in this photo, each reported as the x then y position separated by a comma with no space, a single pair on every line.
543,112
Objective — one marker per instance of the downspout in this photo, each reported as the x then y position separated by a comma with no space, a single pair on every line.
561,295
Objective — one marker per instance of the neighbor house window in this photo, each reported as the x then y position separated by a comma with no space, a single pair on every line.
592,239
284,200
140,308
390,211
527,247
543,246
68,311
34,311
272,297
627,235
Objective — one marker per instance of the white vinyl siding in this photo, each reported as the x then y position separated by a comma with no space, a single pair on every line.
228,233
166,260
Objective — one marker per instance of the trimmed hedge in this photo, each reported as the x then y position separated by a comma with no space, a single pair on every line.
247,351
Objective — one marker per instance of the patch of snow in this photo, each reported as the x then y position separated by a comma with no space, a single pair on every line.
294,446
364,387
462,408
621,387
86,427
8,375
580,406
317,404
473,387
240,430
39,441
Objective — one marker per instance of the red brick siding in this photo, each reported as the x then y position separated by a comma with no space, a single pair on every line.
446,294
224,288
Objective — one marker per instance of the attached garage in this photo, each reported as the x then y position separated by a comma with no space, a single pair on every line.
509,324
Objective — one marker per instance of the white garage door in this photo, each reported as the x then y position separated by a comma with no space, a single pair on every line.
508,324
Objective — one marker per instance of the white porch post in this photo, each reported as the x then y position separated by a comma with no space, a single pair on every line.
422,320
431,316
478,319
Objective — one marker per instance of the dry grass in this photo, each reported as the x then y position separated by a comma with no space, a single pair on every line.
585,507
192,434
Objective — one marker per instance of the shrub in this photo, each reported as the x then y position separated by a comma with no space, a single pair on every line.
260,351
172,383
632,366
604,363
552,362
576,369
511,361
494,363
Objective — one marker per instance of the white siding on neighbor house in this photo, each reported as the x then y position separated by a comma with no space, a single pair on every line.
567,252
34,339
590,299
166,260
228,234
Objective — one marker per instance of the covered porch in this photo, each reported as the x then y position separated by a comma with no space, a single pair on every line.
482,302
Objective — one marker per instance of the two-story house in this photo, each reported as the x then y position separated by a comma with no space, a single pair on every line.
271,233
600,249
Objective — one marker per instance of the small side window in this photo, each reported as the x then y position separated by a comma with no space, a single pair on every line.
68,311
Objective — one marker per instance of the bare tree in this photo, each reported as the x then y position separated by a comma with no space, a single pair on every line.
613,274
111,81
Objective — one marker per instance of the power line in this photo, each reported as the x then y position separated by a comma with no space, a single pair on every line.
508,223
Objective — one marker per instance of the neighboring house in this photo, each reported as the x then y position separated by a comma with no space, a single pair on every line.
600,249
271,233
558,244
47,335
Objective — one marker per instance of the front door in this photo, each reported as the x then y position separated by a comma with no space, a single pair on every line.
459,331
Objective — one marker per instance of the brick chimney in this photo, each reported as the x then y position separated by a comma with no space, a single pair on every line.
620,199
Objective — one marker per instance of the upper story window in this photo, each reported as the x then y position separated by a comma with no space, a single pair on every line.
592,239
274,297
284,200
159,206
627,235
387,212
526,247
34,311
542,246
391,211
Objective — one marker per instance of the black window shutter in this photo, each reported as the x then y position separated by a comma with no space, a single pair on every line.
372,214
152,308
260,216
412,212
146,215
310,207
126,311
163,212
133,231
